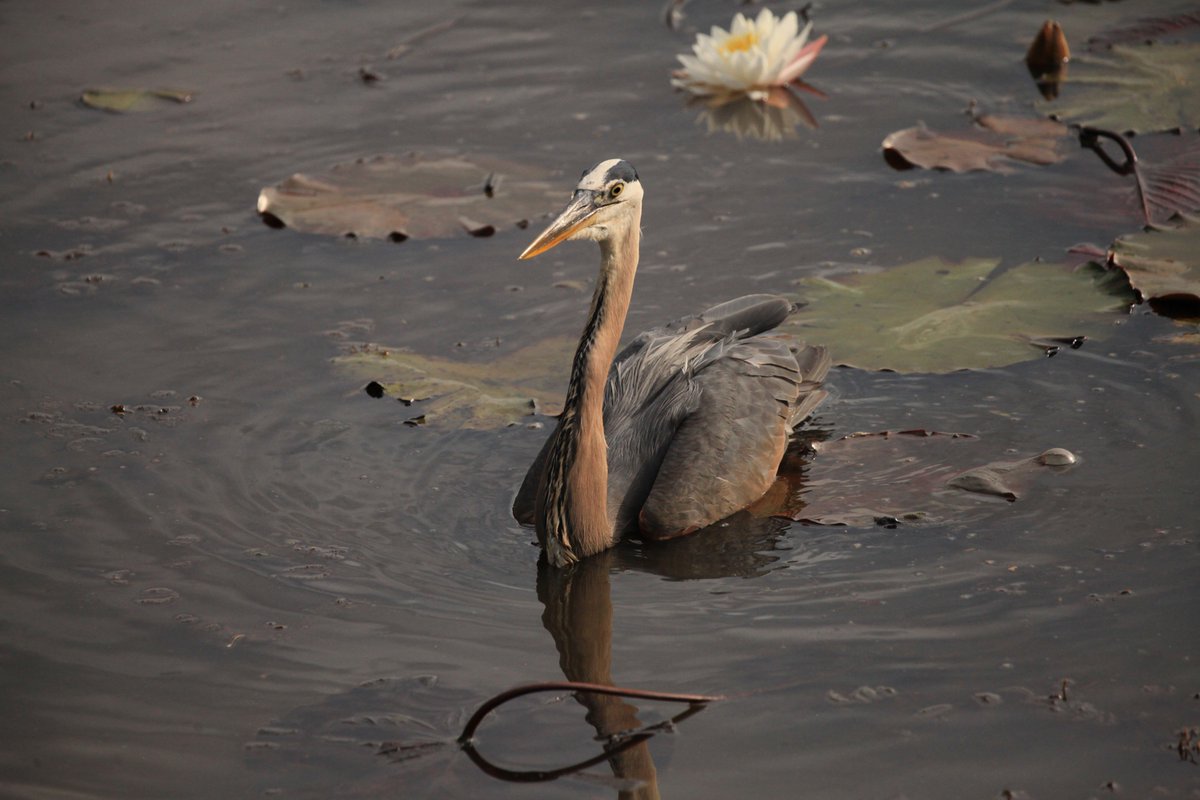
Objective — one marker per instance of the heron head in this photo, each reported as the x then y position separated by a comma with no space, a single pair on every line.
607,198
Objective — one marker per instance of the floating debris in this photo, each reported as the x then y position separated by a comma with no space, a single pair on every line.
1057,457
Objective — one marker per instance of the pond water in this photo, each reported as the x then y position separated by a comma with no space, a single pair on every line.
256,575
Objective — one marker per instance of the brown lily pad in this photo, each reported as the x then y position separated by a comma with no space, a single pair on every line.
1163,266
995,144
1147,29
1162,189
411,196
892,478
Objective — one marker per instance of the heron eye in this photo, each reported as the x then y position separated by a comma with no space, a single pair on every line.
615,191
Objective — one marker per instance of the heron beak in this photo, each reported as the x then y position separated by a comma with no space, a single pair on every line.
577,215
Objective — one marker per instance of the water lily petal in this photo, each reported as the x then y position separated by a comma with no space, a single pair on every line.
793,47
741,25
803,61
803,37
765,22
780,39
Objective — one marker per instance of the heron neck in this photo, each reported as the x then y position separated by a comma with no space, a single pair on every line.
577,513
606,321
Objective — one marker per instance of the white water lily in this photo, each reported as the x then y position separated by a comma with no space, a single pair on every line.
751,57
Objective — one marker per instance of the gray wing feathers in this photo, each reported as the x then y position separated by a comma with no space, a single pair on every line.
749,316
753,314
814,362
697,415
724,455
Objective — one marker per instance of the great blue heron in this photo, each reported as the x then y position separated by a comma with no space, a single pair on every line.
686,425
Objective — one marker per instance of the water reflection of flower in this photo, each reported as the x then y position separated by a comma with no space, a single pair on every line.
771,119
752,57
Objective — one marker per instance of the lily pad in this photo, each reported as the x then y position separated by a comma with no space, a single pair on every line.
122,100
936,316
1147,29
411,196
446,393
1144,89
1163,189
995,144
896,478
1170,187
1163,266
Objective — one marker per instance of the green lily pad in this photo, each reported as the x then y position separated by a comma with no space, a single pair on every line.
122,100
445,393
1143,89
1163,266
411,196
936,316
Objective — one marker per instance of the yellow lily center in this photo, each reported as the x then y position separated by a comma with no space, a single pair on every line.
738,44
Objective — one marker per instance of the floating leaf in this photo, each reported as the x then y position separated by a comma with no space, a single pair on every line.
1143,89
994,145
893,478
1172,186
412,196
1163,190
1163,265
121,100
935,316
467,394
1147,29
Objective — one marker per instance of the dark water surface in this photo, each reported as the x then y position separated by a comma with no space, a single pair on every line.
256,575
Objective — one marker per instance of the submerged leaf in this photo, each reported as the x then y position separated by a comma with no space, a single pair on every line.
1147,29
1143,89
410,196
120,100
1172,186
1163,265
934,316
994,145
1163,189
894,478
464,394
